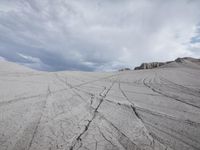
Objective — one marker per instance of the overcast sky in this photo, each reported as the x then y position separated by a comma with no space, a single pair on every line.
97,35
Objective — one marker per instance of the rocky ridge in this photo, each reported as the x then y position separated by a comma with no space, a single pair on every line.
153,65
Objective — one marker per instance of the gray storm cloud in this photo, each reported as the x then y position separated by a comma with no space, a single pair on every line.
96,35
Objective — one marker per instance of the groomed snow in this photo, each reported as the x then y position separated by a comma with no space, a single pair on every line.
157,109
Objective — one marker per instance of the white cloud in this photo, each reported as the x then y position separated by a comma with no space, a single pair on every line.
32,62
30,58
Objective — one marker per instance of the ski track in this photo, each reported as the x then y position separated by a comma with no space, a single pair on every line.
92,111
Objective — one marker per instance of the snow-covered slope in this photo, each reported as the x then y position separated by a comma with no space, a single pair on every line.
157,109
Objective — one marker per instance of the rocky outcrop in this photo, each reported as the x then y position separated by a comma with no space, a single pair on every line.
124,69
153,65
150,65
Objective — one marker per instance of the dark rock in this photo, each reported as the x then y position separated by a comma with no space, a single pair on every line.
149,65
124,69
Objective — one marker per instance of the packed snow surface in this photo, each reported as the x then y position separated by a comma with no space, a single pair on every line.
156,109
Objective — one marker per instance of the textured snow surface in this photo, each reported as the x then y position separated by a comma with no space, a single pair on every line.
157,109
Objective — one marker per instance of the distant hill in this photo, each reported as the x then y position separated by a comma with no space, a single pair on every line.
153,65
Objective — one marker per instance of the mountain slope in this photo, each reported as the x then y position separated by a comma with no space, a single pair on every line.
136,110
184,60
